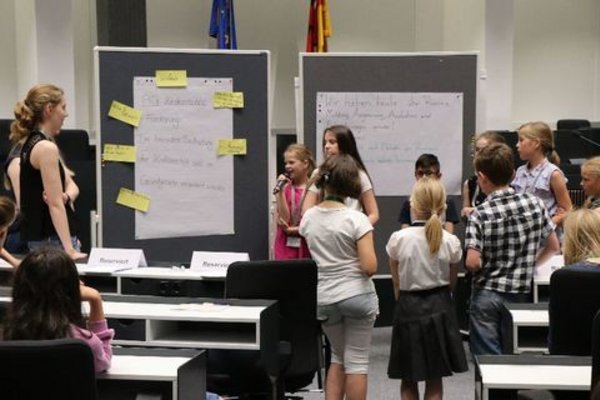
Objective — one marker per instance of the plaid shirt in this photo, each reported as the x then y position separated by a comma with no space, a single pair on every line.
508,228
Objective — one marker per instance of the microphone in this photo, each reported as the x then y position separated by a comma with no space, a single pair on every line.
281,183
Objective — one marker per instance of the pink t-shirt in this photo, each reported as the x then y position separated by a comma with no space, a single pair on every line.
284,248
98,337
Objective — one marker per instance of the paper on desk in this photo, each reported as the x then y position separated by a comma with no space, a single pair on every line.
205,307
99,269
547,268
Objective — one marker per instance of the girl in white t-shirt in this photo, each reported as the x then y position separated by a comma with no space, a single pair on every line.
338,139
340,240
426,342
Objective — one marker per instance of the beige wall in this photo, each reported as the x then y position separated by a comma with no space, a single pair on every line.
8,61
556,59
556,72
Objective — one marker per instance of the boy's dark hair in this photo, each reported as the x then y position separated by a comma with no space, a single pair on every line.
339,175
496,162
427,161
46,297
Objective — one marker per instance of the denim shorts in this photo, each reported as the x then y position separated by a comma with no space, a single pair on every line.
52,241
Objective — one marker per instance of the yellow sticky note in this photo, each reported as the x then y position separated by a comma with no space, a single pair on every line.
228,100
131,199
171,78
231,147
119,152
124,113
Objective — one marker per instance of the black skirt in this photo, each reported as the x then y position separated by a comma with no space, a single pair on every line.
426,341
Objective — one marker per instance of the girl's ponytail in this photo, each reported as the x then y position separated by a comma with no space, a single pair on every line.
434,233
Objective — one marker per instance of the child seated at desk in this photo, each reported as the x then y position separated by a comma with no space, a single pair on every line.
581,247
590,183
8,211
46,304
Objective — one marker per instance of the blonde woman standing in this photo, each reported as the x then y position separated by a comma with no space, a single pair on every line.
47,189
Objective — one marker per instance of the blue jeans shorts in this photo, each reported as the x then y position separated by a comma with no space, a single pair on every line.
52,241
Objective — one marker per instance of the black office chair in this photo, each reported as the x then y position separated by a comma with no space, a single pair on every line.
572,124
596,351
47,369
293,284
74,144
577,197
5,144
574,301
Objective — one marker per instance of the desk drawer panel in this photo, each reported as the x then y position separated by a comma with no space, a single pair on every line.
128,329
131,389
172,287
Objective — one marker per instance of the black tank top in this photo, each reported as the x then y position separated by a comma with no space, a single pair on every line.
476,196
37,223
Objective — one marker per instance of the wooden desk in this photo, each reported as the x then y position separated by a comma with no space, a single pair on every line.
525,327
176,375
531,372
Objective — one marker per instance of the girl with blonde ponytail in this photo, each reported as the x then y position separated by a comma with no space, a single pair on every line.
46,190
422,260
541,174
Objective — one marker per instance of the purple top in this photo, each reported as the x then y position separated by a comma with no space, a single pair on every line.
537,181
98,337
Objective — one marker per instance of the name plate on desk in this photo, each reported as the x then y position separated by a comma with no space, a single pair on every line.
215,264
110,259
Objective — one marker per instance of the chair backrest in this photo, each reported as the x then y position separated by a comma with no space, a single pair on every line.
572,123
577,197
293,283
574,301
74,145
596,350
46,369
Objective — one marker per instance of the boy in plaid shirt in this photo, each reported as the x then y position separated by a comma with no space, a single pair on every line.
506,236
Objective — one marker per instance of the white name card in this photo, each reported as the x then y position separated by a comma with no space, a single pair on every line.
215,264
111,259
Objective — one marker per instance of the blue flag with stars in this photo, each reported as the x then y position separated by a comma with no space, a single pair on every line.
222,24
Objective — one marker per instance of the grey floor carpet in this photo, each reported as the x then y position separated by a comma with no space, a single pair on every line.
456,387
